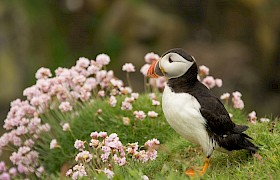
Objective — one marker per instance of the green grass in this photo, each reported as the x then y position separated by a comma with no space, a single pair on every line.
174,155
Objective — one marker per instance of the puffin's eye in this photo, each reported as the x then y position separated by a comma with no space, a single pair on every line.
170,60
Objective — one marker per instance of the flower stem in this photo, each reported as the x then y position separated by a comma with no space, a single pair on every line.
128,81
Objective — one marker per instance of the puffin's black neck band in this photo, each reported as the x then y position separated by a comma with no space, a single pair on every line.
185,82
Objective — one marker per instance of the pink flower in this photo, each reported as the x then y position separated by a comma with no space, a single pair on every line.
139,115
225,96
143,156
43,73
69,172
66,127
100,76
101,93
104,157
209,82
155,103
264,120
152,154
151,143
84,156
126,106
203,70
125,90
13,171
116,83
17,141
5,176
160,82
91,82
126,121
110,174
79,79
65,107
102,134
219,82
79,171
2,166
94,135
118,160
238,104
237,101
252,117
102,59
93,69
152,96
94,143
152,114
99,111
135,95
21,130
40,171
54,144
150,57
82,62
80,145
130,100
236,94
144,177
128,67
113,101
144,69
44,85
29,143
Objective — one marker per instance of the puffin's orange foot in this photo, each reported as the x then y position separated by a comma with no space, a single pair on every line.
192,172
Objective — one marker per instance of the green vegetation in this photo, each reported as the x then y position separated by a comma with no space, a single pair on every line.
175,154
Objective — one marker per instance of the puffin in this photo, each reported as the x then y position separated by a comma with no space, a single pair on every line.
193,112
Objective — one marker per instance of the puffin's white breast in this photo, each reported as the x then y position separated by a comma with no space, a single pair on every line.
182,111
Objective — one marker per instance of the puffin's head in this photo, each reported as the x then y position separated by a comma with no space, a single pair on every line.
173,64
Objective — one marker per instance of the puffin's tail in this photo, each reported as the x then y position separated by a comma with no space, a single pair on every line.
247,144
238,141
243,138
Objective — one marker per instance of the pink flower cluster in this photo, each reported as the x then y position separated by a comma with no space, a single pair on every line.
108,149
69,85
252,118
208,81
61,91
236,99
128,67
7,174
127,103
139,115
23,127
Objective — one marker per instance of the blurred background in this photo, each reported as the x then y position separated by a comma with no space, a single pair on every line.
238,40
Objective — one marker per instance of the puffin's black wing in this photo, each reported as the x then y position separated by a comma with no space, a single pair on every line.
220,127
216,116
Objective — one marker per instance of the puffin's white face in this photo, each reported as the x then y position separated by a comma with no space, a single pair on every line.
173,65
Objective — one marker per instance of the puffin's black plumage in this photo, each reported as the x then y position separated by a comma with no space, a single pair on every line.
219,126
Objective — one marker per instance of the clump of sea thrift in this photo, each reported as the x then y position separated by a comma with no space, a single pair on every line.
108,151
59,91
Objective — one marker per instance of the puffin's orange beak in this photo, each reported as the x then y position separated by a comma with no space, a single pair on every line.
155,71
